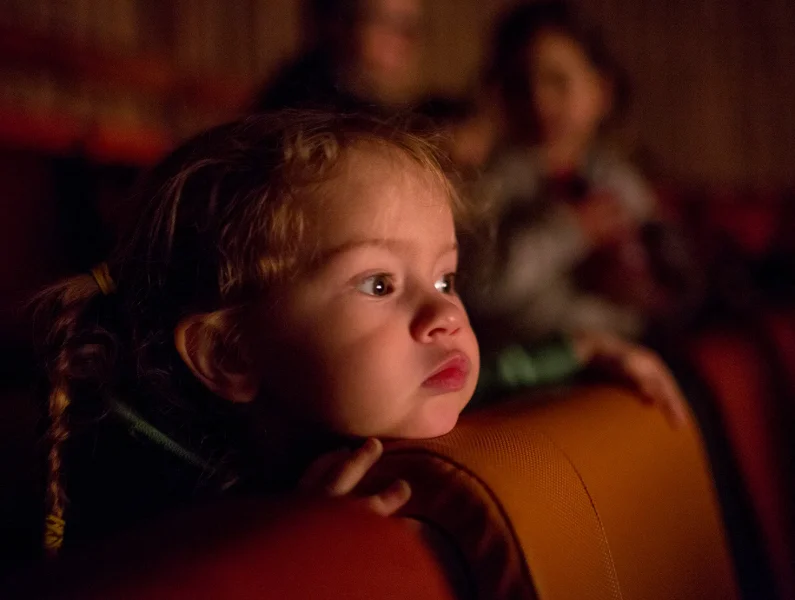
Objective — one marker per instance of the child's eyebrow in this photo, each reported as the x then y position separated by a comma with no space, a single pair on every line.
394,245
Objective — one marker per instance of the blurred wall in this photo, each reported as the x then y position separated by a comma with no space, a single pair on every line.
714,84
714,80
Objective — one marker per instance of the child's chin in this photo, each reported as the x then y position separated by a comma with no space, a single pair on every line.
437,426
436,417
444,418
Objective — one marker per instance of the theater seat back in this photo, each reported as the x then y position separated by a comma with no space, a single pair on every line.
581,494
584,494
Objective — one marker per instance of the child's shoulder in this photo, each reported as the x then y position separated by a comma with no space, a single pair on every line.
118,477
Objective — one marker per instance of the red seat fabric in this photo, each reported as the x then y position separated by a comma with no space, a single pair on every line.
742,381
247,550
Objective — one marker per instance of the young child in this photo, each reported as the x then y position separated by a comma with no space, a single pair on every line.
580,242
288,290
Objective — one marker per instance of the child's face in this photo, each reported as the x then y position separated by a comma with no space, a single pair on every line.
570,96
373,340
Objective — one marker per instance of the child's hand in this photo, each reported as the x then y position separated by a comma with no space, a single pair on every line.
337,474
642,367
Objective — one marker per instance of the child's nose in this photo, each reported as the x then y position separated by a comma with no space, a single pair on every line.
436,317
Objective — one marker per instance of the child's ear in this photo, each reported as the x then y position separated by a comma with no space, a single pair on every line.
225,372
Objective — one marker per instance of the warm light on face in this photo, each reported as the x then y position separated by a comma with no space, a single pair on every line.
374,340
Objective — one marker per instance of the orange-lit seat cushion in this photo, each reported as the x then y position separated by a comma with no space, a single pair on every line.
582,494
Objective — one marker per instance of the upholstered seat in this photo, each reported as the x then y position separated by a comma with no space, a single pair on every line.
576,494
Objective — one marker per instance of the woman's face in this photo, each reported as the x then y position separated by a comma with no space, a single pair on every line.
388,39
570,96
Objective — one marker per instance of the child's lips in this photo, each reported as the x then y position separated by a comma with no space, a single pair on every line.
452,374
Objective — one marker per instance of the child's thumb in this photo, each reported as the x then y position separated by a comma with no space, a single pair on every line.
391,499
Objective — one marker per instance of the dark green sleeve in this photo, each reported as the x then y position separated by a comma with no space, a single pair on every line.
520,367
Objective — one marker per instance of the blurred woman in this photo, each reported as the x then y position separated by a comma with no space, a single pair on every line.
577,242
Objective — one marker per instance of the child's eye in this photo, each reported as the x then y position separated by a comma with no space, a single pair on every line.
376,285
446,284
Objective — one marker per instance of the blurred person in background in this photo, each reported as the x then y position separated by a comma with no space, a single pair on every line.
467,126
361,55
577,241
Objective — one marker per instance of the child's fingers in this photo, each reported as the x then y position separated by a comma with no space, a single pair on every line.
660,388
656,384
317,475
673,401
644,369
389,501
355,467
